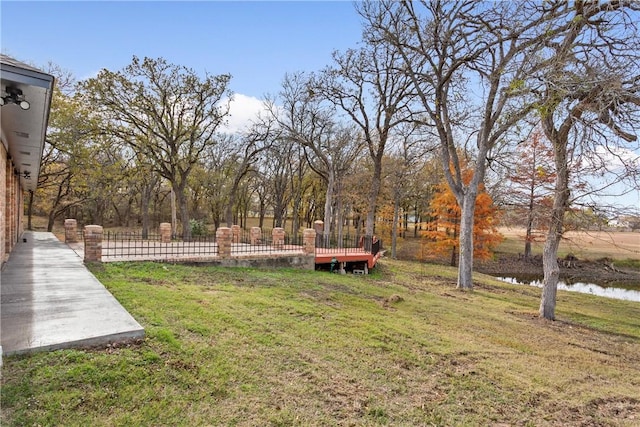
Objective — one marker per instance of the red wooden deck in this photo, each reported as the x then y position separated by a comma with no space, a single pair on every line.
325,256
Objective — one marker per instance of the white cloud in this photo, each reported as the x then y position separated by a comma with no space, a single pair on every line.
243,110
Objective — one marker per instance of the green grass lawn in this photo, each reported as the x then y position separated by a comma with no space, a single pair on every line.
285,347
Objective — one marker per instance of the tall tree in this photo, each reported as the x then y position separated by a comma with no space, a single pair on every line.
367,88
407,151
278,170
329,147
165,112
247,150
590,98
298,186
219,167
467,61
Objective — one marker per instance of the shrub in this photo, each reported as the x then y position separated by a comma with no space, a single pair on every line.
198,228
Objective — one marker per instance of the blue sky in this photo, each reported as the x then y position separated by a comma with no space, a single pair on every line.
257,42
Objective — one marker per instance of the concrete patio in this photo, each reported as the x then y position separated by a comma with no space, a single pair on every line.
49,300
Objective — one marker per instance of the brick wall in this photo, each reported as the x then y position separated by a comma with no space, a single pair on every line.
3,200
11,206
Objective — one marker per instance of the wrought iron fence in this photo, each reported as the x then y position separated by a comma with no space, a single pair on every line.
135,246
246,243
349,243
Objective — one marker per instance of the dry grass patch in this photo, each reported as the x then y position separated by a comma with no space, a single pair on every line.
583,244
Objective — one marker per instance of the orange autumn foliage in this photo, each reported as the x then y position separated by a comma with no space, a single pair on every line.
443,231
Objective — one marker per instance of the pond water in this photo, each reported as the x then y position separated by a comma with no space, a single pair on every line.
585,288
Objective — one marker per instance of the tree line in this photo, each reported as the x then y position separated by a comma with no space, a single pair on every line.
533,104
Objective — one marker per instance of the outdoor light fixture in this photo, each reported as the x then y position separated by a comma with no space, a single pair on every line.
14,96
26,175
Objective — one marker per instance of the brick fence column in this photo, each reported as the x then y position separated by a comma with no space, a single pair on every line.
165,232
92,243
235,231
70,231
278,237
223,238
309,238
256,235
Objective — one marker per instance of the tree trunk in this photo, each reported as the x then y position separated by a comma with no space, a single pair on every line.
52,220
527,242
228,217
232,199
551,275
405,225
527,246
174,216
340,217
296,186
181,198
145,199
465,266
373,200
262,214
454,253
295,220
454,250
550,253
328,205
416,221
527,239
394,226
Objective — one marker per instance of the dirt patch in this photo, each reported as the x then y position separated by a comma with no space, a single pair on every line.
599,412
574,270
391,300
626,408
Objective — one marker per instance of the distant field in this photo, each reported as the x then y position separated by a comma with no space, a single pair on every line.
583,244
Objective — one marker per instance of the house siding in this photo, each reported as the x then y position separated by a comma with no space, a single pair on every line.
3,202
11,205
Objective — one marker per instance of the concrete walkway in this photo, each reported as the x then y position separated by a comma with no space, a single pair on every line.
49,300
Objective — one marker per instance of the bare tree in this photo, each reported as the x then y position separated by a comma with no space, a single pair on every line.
407,152
248,148
297,186
262,193
589,99
368,90
328,147
468,62
333,161
278,170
